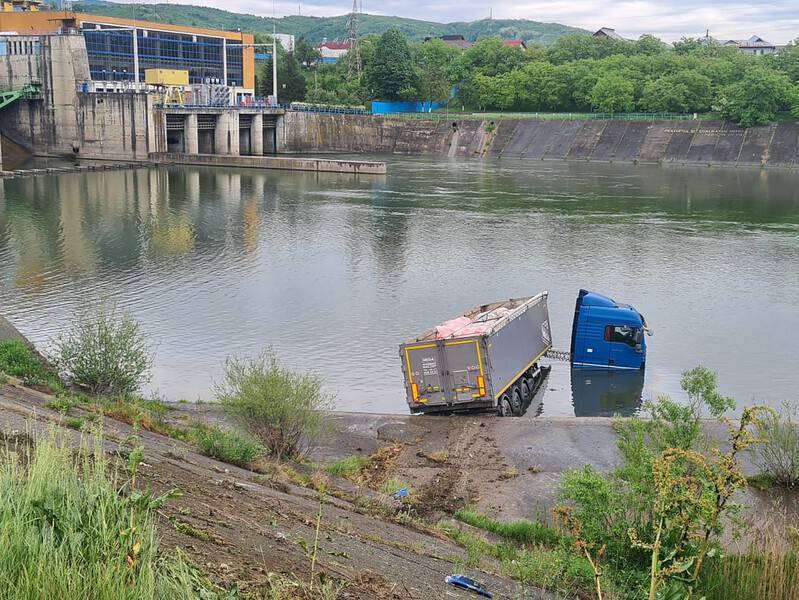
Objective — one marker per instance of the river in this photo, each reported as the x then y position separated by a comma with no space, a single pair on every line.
334,271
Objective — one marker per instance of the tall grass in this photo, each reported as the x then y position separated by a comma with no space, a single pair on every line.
71,527
778,450
522,531
347,467
18,360
227,446
754,576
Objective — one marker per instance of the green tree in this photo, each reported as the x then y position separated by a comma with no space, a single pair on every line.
686,91
757,97
305,53
787,60
494,92
290,79
490,56
538,87
693,47
433,61
580,46
578,78
390,75
613,93
648,45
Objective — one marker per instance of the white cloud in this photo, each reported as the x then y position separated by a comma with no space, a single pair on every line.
776,21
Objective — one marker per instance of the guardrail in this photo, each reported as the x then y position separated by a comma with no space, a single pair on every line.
331,110
541,116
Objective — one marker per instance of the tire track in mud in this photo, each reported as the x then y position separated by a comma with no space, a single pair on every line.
472,450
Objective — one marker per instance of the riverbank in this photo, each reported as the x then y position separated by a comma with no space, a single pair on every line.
242,524
507,468
706,143
480,486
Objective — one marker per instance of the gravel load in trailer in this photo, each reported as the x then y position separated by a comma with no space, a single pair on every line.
486,359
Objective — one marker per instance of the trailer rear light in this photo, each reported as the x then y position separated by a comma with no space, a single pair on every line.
415,392
481,385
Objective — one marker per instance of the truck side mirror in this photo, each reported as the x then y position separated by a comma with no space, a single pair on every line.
637,337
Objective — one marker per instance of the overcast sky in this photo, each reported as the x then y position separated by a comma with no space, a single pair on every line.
670,20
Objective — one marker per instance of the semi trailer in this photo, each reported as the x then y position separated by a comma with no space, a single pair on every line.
488,359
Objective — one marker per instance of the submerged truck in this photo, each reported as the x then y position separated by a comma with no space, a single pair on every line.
488,358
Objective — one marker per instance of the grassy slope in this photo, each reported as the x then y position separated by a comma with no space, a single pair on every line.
316,28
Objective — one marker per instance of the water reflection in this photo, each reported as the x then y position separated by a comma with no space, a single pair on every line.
598,393
335,270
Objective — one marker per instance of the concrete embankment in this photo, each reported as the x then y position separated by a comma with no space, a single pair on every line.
678,142
319,165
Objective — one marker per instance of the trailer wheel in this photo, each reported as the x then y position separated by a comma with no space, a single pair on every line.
503,407
524,387
516,402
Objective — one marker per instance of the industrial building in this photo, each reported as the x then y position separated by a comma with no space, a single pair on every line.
120,50
84,86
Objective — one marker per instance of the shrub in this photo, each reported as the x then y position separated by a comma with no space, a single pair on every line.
227,446
70,528
668,503
282,408
17,360
105,352
778,450
557,569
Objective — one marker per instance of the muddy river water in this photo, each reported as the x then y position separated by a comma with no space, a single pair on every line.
334,271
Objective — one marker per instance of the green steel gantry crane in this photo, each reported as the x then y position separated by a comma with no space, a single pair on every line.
31,90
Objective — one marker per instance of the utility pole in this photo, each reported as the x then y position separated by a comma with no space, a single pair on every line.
274,61
354,53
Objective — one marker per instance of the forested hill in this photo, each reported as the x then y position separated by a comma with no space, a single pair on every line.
314,29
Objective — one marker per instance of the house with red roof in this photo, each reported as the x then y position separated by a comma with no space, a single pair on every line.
515,44
331,52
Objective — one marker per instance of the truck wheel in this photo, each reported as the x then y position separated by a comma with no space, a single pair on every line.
516,402
524,387
504,408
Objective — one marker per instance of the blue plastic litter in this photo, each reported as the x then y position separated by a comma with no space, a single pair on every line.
467,583
401,493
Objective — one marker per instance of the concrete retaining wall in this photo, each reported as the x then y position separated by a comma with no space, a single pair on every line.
272,162
681,142
313,132
64,121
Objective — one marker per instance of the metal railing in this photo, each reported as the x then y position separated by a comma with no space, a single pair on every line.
541,116
264,103
328,109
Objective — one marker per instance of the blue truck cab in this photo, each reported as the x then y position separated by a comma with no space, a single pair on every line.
606,334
